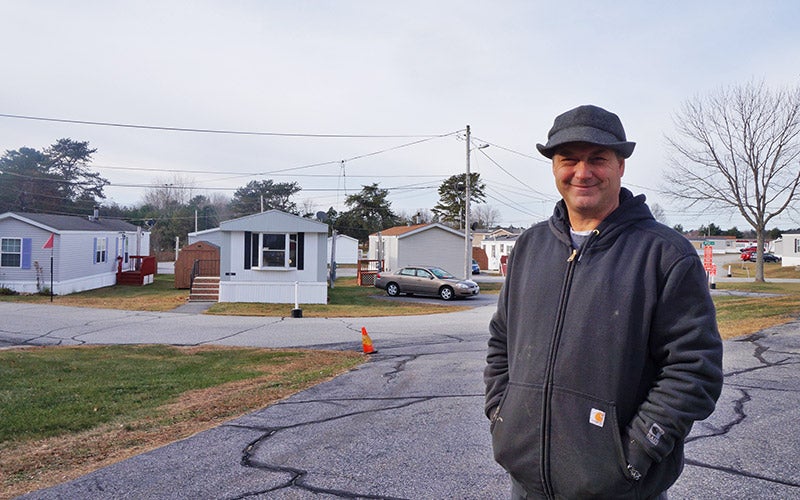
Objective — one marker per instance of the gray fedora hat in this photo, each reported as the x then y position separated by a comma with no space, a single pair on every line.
590,124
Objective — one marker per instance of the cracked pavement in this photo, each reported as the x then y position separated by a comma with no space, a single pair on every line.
408,423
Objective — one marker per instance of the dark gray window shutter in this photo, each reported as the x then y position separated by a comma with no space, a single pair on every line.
248,236
300,250
27,248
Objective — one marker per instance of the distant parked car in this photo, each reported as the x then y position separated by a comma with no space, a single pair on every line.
768,257
425,280
476,269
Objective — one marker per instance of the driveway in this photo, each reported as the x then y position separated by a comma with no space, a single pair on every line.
409,423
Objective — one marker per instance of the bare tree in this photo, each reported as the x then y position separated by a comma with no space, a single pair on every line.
221,204
738,149
169,192
419,216
308,207
658,213
485,215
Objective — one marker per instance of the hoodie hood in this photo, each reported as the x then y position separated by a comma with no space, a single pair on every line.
631,210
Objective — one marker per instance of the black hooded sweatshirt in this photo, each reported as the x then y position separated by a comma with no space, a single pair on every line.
601,357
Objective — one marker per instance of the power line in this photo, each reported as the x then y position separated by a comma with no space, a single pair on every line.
228,172
319,164
512,205
213,131
510,174
511,150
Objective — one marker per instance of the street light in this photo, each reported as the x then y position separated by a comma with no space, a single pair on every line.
467,239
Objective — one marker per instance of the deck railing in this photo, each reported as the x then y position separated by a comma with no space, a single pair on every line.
367,270
204,267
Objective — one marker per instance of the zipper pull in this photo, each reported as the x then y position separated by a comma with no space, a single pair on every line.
572,256
496,415
594,234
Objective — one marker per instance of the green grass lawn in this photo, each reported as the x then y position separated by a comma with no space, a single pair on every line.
52,391
67,410
346,300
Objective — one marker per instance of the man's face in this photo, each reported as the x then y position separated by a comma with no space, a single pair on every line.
588,177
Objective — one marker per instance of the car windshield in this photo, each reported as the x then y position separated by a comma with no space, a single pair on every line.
441,273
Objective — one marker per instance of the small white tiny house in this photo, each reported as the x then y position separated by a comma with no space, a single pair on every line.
271,257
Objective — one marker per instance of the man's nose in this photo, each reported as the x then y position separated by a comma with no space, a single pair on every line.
582,169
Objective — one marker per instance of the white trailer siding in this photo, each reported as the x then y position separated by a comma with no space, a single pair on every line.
789,250
434,247
73,253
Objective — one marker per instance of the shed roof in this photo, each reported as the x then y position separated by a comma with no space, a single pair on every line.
55,222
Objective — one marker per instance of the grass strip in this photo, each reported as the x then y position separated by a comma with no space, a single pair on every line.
756,306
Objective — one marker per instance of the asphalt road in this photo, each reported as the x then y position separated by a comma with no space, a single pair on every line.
407,424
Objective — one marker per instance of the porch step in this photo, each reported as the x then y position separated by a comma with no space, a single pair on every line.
205,289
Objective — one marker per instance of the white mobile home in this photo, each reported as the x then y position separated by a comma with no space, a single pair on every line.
788,247
498,248
87,252
270,256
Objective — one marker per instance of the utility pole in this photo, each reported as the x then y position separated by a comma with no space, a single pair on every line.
333,259
467,242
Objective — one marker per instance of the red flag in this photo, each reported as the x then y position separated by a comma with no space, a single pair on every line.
49,242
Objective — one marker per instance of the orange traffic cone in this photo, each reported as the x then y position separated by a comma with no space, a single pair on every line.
366,342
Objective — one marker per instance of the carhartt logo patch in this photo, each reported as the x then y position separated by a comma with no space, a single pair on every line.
597,417
654,434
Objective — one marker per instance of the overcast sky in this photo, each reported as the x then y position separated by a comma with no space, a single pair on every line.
398,72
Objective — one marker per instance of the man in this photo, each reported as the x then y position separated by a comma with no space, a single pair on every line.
604,348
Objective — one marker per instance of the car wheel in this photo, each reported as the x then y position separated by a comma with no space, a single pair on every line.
446,293
392,289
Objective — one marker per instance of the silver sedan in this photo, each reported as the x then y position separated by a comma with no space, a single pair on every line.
425,280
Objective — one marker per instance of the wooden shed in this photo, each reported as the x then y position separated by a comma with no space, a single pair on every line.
203,255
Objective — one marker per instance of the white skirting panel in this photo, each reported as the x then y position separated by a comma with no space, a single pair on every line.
789,261
271,292
64,287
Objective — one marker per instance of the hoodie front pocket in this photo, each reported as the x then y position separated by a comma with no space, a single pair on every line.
516,434
586,456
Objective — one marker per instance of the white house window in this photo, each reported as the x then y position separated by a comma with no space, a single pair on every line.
100,253
11,252
273,250
278,250
797,245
